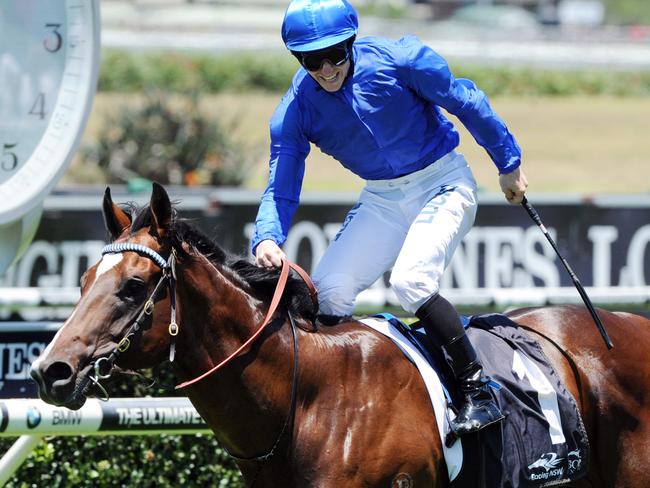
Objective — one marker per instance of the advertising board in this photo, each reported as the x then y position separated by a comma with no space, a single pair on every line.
606,240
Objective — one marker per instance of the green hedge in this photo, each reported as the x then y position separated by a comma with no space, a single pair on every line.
161,461
133,72
166,461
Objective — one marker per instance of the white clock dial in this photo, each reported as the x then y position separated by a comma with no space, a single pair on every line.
48,72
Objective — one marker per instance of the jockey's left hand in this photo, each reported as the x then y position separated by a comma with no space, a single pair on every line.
514,185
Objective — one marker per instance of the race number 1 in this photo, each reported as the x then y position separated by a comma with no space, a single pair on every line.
523,367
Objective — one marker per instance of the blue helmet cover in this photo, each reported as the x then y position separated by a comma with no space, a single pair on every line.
310,25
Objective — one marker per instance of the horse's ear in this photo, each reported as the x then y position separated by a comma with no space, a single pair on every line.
161,211
116,219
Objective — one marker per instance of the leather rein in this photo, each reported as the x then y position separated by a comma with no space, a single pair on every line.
275,301
103,366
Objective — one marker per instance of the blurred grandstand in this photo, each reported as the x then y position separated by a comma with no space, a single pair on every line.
565,33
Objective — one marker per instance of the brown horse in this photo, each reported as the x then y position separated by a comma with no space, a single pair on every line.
308,405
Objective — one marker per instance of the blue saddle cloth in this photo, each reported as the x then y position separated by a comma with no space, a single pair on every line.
542,441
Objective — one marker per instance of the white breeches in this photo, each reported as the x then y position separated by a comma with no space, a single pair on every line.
413,223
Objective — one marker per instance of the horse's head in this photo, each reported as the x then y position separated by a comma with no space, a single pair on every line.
100,331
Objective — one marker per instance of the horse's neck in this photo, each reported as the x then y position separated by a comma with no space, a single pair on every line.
242,402
226,312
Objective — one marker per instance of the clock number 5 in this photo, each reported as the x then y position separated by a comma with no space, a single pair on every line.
9,159
57,41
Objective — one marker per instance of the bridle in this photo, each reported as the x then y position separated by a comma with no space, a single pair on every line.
168,267
102,368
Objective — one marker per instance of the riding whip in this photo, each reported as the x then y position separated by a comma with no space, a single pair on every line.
601,328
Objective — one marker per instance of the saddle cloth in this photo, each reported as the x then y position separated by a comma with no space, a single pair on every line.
542,441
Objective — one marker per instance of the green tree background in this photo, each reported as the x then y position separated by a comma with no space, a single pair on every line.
628,11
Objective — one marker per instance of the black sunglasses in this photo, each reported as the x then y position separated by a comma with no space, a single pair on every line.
313,60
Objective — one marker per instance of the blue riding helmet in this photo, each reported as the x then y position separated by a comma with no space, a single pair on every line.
311,25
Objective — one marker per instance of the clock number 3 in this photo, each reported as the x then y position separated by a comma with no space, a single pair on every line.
9,159
53,43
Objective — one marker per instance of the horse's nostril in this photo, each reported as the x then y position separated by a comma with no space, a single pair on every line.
35,373
58,371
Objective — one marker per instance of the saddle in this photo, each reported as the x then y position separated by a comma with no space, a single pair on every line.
542,441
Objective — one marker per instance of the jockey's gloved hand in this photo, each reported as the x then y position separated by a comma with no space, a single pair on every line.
268,254
514,185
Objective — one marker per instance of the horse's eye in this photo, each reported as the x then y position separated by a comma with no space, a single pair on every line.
132,288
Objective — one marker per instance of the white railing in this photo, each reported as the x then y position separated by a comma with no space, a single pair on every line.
637,295
32,419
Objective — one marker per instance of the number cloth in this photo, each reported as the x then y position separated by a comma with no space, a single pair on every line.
542,441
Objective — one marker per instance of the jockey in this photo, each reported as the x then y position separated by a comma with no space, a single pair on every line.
375,106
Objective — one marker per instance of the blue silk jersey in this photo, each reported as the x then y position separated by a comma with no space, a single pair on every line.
384,122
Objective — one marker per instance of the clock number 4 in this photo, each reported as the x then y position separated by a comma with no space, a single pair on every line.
54,42
39,106
9,159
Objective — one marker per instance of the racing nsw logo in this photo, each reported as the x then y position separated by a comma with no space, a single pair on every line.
546,467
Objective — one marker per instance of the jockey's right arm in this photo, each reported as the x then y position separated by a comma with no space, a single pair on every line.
289,148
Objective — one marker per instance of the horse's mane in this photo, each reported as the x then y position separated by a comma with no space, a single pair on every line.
261,281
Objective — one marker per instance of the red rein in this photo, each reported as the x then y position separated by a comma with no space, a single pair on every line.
279,289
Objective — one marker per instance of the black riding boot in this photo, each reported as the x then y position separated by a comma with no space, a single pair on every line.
443,326
478,409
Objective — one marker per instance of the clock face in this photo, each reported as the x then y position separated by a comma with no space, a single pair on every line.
48,72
